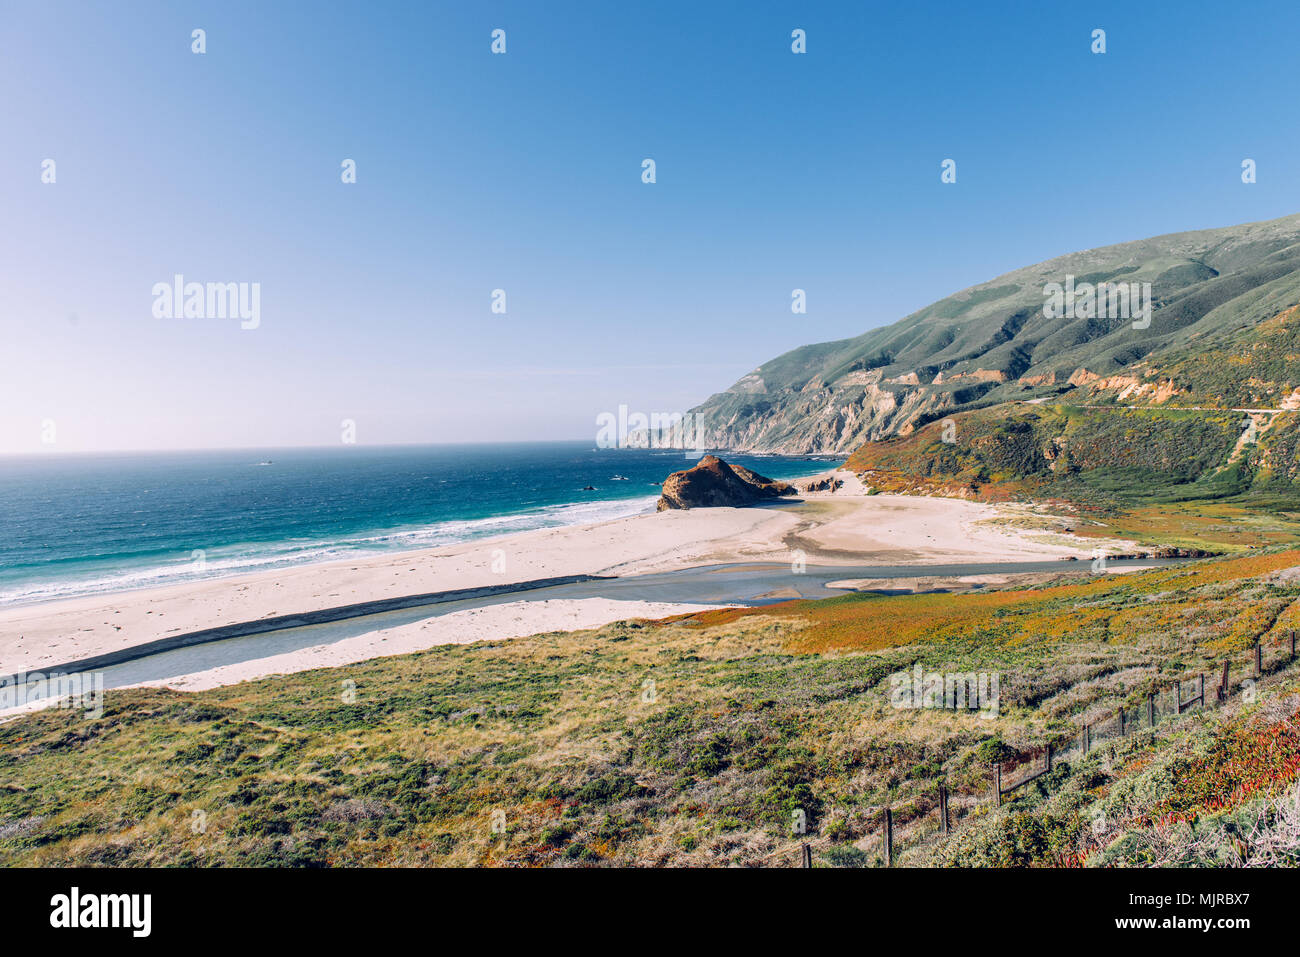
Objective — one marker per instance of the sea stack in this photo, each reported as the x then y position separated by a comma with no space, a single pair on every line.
714,484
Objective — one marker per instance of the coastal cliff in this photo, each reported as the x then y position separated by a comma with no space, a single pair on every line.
996,342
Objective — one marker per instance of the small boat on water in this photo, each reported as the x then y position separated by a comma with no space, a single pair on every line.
619,478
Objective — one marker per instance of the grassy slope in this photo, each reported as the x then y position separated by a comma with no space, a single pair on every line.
1252,367
1159,475
1159,467
986,325
753,715
993,343
1150,454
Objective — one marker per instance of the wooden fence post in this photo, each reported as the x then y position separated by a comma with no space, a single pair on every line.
1223,683
997,784
1259,659
889,838
1178,697
1049,756
1087,738
1293,643
943,808
1121,721
1151,710
1201,678
805,854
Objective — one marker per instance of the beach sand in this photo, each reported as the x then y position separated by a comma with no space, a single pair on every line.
847,526
515,619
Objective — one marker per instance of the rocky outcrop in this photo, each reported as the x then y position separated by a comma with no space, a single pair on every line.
1131,388
978,375
828,484
816,419
1162,551
1038,380
714,484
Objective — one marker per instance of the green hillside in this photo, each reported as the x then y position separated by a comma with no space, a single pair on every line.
993,342
1060,451
1210,425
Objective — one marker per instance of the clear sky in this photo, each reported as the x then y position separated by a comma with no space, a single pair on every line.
522,172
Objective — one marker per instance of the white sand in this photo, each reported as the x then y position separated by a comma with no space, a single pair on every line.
844,527
513,620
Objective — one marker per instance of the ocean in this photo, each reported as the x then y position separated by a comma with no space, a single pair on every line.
81,524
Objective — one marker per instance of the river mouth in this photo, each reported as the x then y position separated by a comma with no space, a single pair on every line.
749,584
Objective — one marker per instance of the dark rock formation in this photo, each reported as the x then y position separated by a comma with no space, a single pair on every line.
715,484
1163,551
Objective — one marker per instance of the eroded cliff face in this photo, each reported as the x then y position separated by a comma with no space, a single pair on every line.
820,418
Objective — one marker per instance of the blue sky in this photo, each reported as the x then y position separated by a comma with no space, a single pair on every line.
523,172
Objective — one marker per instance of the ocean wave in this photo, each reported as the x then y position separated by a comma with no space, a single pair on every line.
228,561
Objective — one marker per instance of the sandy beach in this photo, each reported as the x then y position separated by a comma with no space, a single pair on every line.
848,525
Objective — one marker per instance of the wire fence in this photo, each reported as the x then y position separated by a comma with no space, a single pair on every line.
934,814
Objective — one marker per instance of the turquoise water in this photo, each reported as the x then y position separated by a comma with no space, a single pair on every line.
75,524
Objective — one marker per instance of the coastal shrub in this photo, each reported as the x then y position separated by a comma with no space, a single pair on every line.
406,787
556,835
787,795
1239,762
285,852
357,809
1019,839
846,856
993,750
608,789
712,757
260,824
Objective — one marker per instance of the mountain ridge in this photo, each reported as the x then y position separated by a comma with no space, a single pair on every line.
993,342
